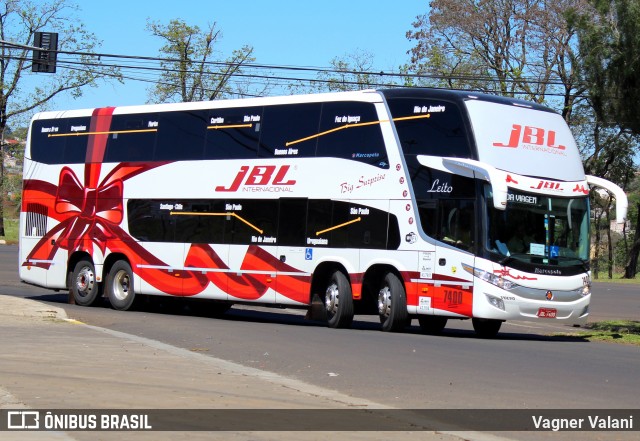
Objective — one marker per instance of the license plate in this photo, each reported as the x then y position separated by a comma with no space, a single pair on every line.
547,312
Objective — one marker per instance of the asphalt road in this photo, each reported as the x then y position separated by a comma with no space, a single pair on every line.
524,367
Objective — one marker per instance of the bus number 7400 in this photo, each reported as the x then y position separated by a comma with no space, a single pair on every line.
452,297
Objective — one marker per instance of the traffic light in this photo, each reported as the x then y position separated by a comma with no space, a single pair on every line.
44,60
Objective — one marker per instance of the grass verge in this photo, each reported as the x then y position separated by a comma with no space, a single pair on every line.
10,231
617,278
613,331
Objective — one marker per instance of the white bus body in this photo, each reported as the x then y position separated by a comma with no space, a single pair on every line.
414,203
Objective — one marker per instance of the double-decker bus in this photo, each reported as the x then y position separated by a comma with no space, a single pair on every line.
408,203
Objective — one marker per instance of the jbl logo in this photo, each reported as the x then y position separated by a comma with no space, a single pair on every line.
547,185
259,175
531,135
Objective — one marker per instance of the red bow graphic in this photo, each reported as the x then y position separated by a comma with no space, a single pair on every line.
88,210
86,215
89,216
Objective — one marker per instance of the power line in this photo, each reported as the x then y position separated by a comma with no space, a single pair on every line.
292,68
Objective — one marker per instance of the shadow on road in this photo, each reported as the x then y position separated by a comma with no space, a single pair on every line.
458,329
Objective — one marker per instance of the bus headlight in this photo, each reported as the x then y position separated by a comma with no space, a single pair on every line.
494,279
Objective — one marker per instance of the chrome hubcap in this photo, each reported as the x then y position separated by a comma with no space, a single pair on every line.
85,281
332,299
384,302
121,285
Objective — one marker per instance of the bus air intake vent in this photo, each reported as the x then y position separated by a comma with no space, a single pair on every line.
36,220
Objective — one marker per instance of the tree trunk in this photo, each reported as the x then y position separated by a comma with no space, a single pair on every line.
632,263
596,254
2,189
609,243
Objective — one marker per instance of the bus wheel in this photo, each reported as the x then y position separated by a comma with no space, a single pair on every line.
119,286
392,304
486,328
338,301
83,284
432,324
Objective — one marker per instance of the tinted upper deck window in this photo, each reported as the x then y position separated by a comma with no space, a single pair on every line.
351,130
430,127
233,133
132,138
290,130
181,135
60,141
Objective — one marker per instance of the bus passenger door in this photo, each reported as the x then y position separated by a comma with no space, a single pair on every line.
455,295
453,225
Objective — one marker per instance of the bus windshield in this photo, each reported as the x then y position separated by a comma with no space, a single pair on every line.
538,229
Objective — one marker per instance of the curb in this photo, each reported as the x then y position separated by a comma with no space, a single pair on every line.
19,307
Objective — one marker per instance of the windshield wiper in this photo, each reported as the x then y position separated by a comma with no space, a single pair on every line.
506,260
582,263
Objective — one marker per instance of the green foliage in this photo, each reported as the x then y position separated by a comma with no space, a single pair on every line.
618,331
509,47
11,231
189,72
615,331
609,45
19,20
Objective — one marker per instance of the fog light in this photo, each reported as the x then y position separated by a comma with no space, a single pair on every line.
495,301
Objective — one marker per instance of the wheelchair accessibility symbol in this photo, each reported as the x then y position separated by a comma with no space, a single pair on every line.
308,254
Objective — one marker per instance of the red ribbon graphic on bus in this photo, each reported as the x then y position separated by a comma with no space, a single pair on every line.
98,206
89,216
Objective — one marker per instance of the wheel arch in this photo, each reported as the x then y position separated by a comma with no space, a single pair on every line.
372,280
322,273
73,260
113,258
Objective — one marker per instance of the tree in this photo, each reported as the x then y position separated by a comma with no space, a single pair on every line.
508,47
350,72
609,35
189,72
535,49
19,20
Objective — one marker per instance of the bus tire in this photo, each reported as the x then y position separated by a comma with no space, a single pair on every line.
486,328
338,301
431,324
119,286
83,283
392,304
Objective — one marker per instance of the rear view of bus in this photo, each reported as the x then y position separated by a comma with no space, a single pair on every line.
500,187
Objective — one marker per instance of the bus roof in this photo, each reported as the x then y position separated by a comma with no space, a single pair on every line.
459,96
368,95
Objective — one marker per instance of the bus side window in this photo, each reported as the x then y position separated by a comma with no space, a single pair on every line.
457,227
251,221
44,147
148,223
289,131
430,127
233,133
201,225
181,135
75,150
132,138
292,225
428,210
351,130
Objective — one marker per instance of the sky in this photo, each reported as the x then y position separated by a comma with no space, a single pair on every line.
282,32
